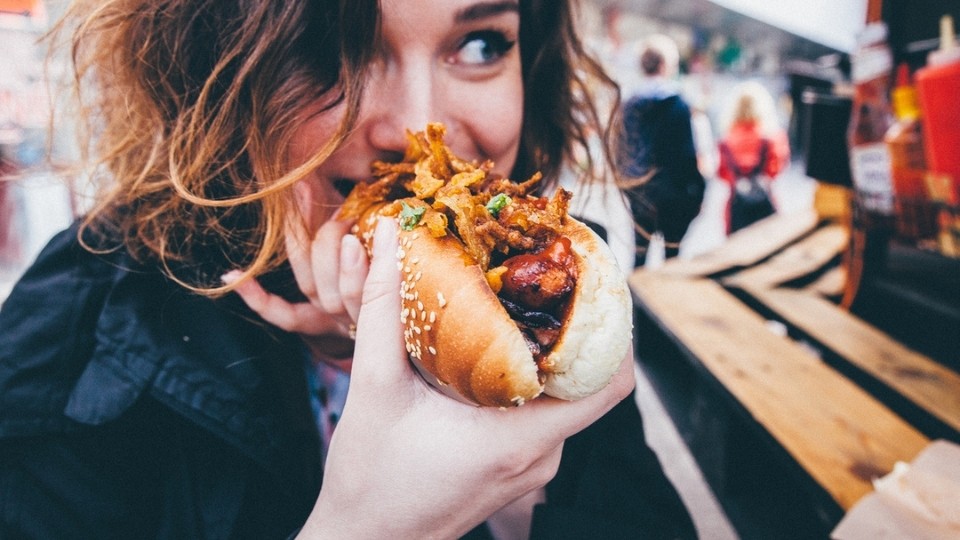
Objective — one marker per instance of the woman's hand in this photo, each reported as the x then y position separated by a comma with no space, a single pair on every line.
409,462
330,269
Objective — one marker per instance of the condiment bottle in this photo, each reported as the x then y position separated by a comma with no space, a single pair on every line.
916,218
870,118
938,85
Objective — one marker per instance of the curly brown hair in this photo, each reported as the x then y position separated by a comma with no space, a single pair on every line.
189,107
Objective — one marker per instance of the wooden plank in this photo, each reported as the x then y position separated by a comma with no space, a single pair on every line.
920,379
797,260
831,283
837,432
746,246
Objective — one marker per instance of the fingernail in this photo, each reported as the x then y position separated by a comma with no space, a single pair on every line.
231,277
386,230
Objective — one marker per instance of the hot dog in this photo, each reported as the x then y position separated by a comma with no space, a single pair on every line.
505,296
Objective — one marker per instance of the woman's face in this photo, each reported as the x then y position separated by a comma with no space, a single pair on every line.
450,61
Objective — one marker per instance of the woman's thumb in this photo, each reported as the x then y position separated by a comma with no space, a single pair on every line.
380,353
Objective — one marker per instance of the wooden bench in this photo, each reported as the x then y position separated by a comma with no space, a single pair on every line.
811,425
795,261
747,246
835,430
926,383
791,404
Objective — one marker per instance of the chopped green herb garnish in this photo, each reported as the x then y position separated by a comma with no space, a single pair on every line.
497,202
410,216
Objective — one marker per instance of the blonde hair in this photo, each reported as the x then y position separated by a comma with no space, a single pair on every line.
750,102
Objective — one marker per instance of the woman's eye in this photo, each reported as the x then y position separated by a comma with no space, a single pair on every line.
484,47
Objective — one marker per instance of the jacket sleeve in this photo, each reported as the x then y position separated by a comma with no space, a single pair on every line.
779,157
725,168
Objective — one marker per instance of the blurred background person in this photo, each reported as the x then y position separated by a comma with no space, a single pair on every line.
753,150
657,156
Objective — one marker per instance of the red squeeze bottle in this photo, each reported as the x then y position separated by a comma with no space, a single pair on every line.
938,85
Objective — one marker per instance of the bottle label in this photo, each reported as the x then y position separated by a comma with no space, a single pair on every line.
870,165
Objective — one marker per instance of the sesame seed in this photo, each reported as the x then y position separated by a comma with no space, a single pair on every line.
427,328
420,305
432,350
441,299
433,316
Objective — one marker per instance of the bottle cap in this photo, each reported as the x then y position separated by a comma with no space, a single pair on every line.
948,51
906,105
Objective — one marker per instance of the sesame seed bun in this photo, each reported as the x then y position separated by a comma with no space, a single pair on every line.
463,341
598,329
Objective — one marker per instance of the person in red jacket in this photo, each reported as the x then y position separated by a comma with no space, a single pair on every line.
753,144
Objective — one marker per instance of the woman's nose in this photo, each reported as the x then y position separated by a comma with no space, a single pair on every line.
397,102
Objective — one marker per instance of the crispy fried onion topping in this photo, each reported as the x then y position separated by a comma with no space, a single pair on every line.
435,189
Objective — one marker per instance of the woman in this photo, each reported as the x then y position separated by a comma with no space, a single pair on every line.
140,398
753,143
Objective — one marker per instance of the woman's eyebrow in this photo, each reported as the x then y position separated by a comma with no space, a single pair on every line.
486,9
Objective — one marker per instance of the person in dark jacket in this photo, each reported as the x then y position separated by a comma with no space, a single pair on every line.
172,366
657,157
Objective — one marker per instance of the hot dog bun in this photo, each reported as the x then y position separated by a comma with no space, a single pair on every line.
597,331
463,340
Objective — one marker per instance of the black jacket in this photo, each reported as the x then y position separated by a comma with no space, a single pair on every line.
657,138
131,408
